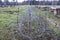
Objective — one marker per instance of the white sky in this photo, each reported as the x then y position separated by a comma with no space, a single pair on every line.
17,0
25,0
48,0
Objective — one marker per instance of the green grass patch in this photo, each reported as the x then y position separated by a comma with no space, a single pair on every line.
54,29
7,20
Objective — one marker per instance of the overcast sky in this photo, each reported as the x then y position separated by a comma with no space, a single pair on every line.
49,0
17,0
37,0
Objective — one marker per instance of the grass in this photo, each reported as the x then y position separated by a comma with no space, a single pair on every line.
50,15
47,14
41,13
13,8
7,20
54,29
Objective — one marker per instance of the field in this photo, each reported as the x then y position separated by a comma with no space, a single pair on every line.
9,28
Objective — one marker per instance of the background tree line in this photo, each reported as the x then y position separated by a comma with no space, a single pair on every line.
34,2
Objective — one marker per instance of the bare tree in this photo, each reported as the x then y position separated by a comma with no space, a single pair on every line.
16,2
6,2
13,2
0,2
